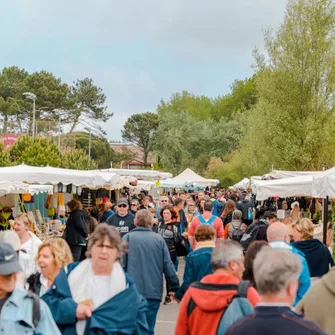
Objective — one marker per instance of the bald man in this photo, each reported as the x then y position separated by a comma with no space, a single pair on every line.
278,236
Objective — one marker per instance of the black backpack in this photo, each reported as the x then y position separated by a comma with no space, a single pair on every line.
249,236
237,233
36,307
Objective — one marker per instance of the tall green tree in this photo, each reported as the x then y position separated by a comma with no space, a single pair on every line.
139,130
86,101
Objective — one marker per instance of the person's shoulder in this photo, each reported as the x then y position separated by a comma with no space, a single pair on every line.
242,325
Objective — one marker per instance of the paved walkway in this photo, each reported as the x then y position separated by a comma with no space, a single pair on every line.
167,315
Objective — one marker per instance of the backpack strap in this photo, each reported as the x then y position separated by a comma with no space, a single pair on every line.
211,220
242,290
202,220
36,307
209,287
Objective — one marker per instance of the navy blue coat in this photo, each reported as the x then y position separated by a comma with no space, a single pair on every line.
123,314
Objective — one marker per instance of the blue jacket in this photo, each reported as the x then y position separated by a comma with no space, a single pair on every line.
148,258
197,266
16,316
304,278
123,314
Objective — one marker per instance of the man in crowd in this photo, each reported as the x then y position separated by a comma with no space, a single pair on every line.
206,218
122,220
164,201
179,208
21,313
247,209
147,260
208,303
279,238
276,274
319,303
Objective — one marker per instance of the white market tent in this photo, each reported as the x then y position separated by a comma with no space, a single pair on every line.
188,177
323,184
242,184
150,175
285,187
54,176
19,187
279,174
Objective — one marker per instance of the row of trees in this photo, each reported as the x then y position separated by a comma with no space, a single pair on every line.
282,117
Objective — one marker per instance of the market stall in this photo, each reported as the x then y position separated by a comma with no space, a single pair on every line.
323,184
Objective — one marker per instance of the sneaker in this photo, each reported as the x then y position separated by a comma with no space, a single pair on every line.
167,300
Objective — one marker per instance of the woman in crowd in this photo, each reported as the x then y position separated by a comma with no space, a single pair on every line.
191,211
53,255
317,255
168,228
91,222
250,256
96,296
105,212
227,214
198,262
75,233
29,244
134,206
201,206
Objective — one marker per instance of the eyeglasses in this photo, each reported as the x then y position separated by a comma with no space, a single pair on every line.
122,206
164,201
101,246
133,205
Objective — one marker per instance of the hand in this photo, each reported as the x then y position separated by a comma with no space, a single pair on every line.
173,297
83,311
155,221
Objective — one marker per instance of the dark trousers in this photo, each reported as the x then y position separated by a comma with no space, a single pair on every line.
77,252
151,314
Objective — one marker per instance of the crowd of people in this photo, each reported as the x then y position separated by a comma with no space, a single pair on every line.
249,269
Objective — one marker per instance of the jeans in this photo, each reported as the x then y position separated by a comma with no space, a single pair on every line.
151,313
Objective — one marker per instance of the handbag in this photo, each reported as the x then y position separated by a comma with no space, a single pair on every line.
179,244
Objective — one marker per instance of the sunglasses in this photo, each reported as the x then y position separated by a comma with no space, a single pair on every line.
133,205
164,201
122,206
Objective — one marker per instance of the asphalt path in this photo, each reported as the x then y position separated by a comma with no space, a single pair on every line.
167,314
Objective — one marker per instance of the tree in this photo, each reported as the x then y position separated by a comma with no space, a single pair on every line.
37,152
77,160
139,130
87,102
292,125
4,157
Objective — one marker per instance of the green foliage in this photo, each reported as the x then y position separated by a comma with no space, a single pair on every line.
78,160
139,130
4,157
292,125
38,152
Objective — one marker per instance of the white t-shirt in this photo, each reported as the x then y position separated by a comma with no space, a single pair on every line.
25,257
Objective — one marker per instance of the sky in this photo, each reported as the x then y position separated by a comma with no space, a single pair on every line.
138,51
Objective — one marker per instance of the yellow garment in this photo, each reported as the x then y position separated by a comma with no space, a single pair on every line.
61,204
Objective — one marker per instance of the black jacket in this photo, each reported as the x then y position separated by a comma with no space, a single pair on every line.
317,256
76,231
124,224
274,320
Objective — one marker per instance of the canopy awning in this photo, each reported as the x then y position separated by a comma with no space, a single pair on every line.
151,175
242,184
190,177
54,176
323,184
16,187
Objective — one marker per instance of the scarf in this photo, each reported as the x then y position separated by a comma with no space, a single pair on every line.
205,244
80,282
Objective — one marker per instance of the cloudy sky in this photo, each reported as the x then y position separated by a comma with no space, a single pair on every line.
138,51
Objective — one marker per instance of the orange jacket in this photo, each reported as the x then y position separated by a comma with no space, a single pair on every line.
206,316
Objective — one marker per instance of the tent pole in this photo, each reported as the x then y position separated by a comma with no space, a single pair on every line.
325,220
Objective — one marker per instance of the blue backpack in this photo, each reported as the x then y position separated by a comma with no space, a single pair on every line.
210,221
238,307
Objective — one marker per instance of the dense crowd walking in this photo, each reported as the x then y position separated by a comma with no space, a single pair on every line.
246,270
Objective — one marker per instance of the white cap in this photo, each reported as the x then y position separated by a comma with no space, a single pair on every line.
10,237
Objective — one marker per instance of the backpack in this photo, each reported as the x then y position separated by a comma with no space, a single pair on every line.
250,214
36,307
249,236
238,307
210,221
237,233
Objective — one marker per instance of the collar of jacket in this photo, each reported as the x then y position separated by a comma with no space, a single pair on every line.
205,244
141,229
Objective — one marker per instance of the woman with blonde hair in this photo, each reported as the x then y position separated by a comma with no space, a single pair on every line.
29,244
53,255
317,255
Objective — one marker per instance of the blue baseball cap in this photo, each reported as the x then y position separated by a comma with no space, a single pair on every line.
9,262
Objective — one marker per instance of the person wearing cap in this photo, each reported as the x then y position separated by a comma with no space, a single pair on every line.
123,220
16,305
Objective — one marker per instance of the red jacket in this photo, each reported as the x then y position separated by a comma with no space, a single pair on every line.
206,316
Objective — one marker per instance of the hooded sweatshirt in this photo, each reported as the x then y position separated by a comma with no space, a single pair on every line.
318,304
205,318
317,256
124,224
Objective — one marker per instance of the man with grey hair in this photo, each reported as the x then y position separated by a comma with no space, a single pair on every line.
147,260
276,275
278,237
201,308
164,201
